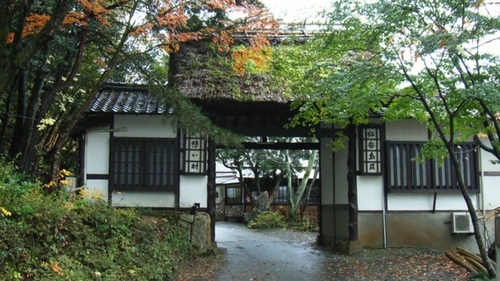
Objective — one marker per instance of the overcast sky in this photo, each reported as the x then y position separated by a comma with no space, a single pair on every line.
296,10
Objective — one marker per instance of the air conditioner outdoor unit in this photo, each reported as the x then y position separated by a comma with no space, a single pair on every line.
461,223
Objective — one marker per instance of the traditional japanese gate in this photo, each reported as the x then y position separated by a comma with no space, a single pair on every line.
338,221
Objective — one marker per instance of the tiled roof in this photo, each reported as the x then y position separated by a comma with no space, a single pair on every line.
119,98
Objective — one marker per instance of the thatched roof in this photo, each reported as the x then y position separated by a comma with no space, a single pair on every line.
204,74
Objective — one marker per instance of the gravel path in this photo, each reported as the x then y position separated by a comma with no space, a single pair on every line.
280,254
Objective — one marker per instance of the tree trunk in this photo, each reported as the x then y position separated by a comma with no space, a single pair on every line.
294,198
277,184
475,221
305,200
449,143
289,188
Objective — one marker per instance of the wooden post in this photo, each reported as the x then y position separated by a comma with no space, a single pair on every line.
352,192
497,239
211,187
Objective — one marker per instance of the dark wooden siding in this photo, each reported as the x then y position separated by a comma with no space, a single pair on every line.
406,173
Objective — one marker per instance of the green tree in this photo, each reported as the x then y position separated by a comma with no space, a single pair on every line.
420,59
278,165
56,54
295,195
264,164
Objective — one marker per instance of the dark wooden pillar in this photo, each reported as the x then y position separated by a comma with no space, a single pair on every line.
211,187
352,193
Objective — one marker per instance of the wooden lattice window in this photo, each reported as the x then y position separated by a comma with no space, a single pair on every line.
405,173
143,164
234,195
280,198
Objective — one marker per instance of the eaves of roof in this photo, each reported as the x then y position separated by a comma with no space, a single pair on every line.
122,98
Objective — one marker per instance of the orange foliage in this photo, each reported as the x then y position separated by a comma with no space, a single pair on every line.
259,56
91,8
142,30
219,4
172,17
258,53
34,24
75,18
223,40
54,265
10,37
96,9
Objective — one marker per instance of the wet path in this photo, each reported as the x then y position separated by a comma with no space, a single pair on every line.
285,255
253,255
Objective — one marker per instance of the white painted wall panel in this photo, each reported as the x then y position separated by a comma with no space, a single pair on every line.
150,126
327,171
143,199
97,152
425,201
487,164
491,189
341,187
407,130
370,193
99,187
193,189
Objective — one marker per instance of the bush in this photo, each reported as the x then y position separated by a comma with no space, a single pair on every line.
268,219
55,236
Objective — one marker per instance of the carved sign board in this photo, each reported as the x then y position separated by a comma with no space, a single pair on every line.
370,155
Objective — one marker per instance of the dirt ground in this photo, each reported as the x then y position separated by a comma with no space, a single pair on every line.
372,264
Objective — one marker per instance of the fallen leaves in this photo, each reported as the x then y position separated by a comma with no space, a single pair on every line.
396,264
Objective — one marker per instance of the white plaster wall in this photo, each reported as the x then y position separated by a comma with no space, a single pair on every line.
491,193
97,158
97,152
150,126
424,201
490,183
487,164
96,161
341,186
370,188
143,199
193,189
98,187
327,171
370,193
407,130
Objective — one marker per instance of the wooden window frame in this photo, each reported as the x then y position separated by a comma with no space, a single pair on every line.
233,202
404,174
280,198
143,164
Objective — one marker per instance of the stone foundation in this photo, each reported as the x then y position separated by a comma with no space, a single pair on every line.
199,229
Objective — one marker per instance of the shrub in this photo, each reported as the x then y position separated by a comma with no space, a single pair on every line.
268,219
54,236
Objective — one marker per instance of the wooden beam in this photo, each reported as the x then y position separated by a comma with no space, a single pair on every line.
281,145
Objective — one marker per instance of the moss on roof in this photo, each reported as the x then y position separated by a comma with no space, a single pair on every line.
201,72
